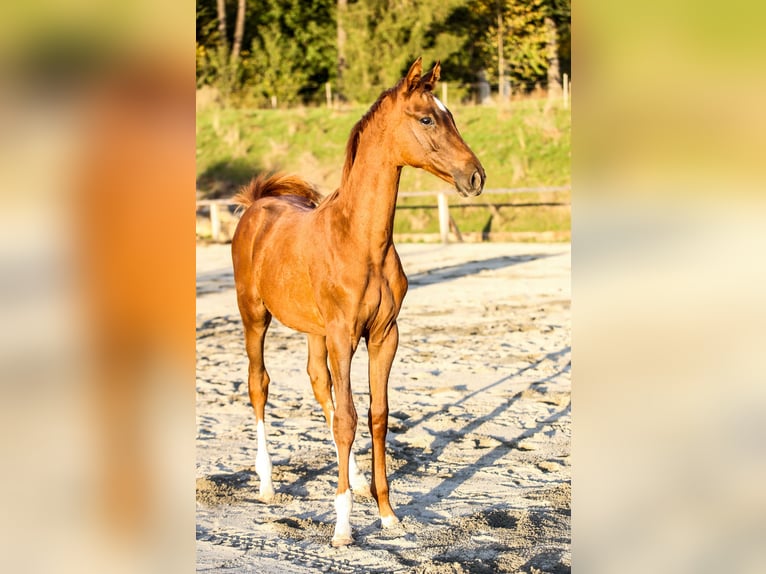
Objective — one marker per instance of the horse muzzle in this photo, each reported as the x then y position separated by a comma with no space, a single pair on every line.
470,184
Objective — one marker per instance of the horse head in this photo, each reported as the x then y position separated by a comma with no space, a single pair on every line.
428,137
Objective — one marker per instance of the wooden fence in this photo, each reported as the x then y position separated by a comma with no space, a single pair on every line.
446,222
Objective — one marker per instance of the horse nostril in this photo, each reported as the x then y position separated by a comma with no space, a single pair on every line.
476,180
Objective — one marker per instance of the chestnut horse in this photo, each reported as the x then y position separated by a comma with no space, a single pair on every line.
329,268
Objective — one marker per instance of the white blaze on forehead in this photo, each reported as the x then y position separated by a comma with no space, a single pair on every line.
439,104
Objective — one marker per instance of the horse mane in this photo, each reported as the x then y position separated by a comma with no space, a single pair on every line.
277,185
356,132
280,184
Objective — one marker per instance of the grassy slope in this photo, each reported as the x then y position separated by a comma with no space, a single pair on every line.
523,145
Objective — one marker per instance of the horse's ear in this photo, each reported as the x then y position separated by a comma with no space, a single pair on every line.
428,81
412,79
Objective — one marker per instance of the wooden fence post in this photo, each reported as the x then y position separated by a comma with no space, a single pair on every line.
565,93
443,217
328,94
215,222
444,93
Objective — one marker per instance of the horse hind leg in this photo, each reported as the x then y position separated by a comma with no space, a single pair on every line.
322,387
256,321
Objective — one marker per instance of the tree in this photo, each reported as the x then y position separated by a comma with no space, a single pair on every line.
512,39
552,53
525,41
221,12
290,48
560,12
294,38
239,30
340,16
385,37
277,67
500,53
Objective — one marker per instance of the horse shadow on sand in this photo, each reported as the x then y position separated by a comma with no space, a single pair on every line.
452,272
502,516
223,278
488,459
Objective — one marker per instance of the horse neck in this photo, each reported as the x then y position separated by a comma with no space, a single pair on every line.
368,196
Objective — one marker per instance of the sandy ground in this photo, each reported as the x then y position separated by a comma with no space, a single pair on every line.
479,432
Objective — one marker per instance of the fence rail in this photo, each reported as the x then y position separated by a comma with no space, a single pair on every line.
496,191
445,219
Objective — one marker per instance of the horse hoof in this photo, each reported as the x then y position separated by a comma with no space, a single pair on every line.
266,494
388,521
362,489
338,541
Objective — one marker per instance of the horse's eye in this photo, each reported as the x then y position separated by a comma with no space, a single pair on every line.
426,121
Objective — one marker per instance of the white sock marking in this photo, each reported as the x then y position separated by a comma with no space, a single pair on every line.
343,504
263,462
388,521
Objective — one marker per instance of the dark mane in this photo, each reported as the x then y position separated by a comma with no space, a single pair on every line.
353,140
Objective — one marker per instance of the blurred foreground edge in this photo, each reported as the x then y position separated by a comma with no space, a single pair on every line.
97,260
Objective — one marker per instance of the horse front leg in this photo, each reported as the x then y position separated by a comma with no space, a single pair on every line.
381,348
340,351
321,383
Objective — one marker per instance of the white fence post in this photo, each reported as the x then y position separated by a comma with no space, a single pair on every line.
443,217
565,93
215,222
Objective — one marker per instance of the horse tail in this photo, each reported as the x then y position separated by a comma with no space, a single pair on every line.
277,185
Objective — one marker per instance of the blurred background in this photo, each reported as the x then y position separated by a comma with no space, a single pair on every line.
668,281
97,287
97,251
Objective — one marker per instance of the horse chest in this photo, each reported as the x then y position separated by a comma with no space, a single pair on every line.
378,307
377,298
341,300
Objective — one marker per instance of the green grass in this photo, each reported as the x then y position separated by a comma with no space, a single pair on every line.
526,144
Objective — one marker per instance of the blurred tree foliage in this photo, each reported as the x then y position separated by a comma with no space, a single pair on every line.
290,47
